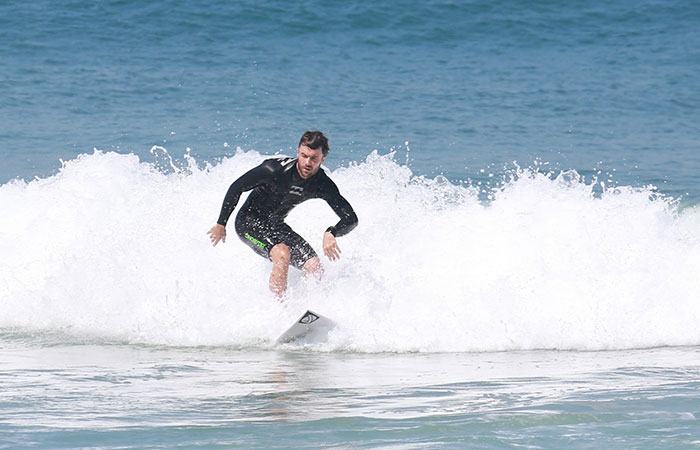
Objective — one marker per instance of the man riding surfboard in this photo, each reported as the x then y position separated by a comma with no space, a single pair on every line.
278,185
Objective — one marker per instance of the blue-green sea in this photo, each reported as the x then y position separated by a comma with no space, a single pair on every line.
525,269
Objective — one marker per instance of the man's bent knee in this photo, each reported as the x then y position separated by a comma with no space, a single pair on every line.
280,254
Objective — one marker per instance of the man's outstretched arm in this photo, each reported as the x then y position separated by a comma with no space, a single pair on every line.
254,177
348,221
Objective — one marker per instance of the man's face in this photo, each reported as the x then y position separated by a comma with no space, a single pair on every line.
309,161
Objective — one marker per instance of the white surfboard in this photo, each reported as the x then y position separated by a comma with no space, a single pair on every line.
311,326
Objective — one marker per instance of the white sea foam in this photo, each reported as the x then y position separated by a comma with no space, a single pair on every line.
114,248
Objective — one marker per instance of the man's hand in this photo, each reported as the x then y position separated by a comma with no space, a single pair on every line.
217,233
330,246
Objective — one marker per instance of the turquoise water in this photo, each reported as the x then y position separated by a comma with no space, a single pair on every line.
467,84
525,269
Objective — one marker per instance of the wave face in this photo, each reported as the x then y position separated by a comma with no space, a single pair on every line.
116,249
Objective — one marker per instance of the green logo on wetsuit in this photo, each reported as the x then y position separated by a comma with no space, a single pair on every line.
255,241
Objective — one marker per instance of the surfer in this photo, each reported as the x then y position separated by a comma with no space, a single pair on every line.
280,184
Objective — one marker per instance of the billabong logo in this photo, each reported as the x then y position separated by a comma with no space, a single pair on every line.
296,190
308,318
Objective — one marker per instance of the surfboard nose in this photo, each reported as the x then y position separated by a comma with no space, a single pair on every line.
310,326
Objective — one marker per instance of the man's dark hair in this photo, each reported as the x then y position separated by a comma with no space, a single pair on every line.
315,140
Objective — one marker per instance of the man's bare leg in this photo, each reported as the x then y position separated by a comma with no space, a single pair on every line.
280,257
314,268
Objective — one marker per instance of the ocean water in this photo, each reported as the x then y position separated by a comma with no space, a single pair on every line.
525,269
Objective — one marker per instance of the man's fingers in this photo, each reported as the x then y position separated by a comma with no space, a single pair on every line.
216,236
333,252
330,247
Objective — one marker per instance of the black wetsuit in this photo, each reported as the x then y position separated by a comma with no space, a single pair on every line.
277,189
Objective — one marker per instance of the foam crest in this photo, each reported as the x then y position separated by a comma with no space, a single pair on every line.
114,248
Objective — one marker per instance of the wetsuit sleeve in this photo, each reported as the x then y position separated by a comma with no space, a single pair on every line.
262,174
348,218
